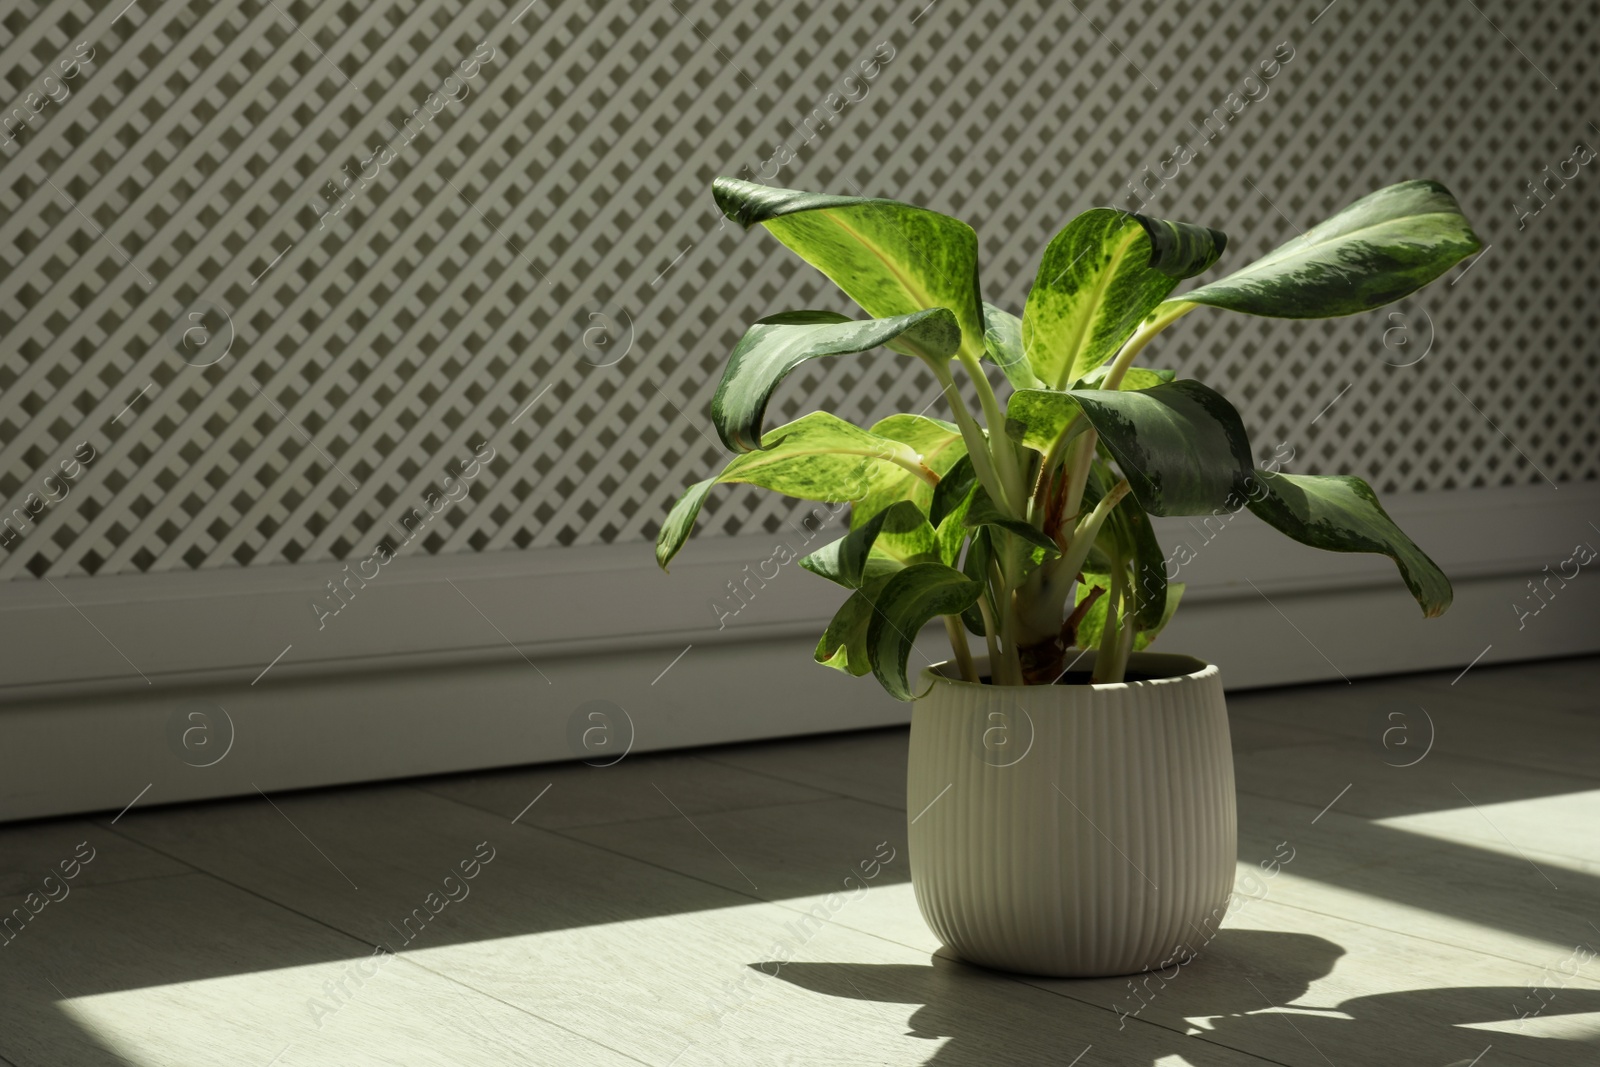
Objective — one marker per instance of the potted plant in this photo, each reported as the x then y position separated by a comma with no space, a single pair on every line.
1071,795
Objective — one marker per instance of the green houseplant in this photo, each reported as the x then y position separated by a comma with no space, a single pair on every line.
1105,839
1028,523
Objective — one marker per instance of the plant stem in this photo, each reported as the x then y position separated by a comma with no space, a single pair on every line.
989,631
1079,461
1003,452
1105,669
977,446
908,460
1052,460
1089,527
1009,648
958,645
1047,609
1165,315
1011,664
1124,647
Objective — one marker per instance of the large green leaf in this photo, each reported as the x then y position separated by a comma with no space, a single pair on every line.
1342,514
890,258
907,602
895,537
1132,527
953,491
1100,276
820,457
863,561
1092,623
975,565
1036,417
1002,337
1092,626
817,457
1384,246
1146,634
843,645
952,498
1181,445
675,528
774,346
1132,378
941,447
983,512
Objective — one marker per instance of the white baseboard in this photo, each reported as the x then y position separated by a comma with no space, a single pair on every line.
443,664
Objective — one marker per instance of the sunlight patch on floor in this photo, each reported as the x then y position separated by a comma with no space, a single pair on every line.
1582,1026
719,997
1553,831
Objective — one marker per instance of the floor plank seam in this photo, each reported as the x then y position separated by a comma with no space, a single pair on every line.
84,886
646,818
778,777
367,945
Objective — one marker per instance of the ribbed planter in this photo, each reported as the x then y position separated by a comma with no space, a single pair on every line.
1073,830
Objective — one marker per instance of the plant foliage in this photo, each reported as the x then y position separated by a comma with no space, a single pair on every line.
1028,524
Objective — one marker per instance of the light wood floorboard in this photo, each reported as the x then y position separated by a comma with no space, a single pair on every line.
636,787
870,765
93,854
189,970
639,913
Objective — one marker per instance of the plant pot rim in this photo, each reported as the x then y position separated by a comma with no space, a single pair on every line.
1184,668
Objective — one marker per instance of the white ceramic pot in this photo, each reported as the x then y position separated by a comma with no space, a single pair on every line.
1073,830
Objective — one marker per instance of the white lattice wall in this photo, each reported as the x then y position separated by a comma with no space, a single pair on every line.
540,270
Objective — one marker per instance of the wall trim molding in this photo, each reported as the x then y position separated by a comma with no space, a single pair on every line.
444,664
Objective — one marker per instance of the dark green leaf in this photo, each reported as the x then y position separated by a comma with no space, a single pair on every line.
1383,247
975,565
774,346
1181,445
907,602
844,561
1146,634
1342,514
897,536
1100,276
952,498
954,489
983,512
890,258
1182,249
844,644
1149,565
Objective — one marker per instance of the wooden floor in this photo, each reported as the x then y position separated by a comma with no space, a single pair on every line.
1440,908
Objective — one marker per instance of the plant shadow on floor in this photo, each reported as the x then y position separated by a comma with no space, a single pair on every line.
1248,990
